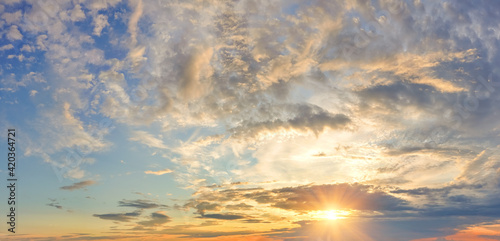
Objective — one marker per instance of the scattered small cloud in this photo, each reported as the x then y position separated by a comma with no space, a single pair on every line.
78,185
120,217
140,204
160,172
156,219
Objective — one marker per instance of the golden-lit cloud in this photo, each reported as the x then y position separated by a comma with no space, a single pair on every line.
160,172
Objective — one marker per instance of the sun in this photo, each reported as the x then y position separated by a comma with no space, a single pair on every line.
330,214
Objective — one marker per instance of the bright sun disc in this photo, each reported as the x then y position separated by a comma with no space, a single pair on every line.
330,214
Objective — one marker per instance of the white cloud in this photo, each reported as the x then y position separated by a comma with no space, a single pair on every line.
6,47
77,14
14,33
12,18
96,5
134,19
27,48
100,22
147,139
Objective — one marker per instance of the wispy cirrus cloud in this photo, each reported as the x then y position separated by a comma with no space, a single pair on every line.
147,139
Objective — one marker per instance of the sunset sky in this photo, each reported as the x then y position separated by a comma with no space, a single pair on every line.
252,120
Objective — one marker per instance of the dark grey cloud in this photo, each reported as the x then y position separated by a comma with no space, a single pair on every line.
305,117
223,216
240,206
203,206
140,203
120,217
311,198
78,185
54,203
443,191
156,219
337,196
255,221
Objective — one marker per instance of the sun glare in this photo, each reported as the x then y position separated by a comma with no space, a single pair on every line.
330,214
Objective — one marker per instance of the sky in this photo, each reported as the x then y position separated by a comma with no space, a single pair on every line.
251,120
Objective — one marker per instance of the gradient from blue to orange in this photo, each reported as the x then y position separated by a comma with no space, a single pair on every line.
252,120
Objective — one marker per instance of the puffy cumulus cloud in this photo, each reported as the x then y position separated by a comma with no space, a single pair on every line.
99,22
27,48
6,47
12,18
14,33
77,13
78,185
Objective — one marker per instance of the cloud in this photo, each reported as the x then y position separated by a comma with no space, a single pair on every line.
141,204
6,47
332,196
14,33
197,69
134,19
54,203
27,48
100,22
12,18
147,139
77,14
78,185
306,118
102,4
223,216
160,172
156,219
120,217
240,206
